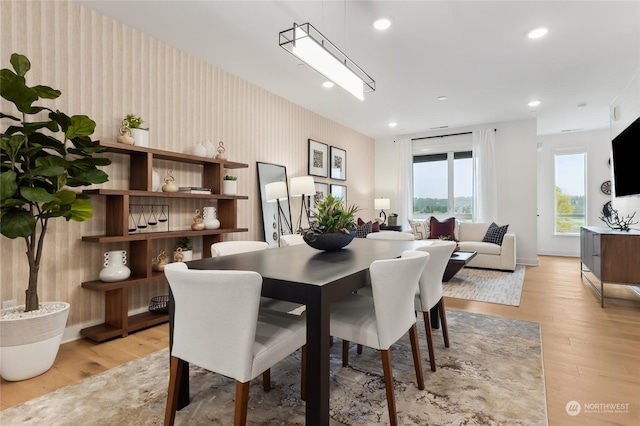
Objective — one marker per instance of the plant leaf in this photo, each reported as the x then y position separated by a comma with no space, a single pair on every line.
38,195
20,64
8,184
14,89
46,92
80,211
81,125
17,222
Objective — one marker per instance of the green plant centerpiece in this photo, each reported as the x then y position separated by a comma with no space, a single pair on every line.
333,226
43,154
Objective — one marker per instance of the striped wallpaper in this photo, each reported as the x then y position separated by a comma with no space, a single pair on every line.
106,70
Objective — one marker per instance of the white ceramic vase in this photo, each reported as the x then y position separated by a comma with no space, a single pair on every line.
199,149
229,187
140,137
30,344
115,268
155,181
210,218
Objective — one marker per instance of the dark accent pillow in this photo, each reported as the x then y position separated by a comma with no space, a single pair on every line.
438,229
363,230
495,234
375,225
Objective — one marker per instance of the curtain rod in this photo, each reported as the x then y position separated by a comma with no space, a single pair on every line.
444,136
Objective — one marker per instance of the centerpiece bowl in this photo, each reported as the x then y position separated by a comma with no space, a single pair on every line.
328,242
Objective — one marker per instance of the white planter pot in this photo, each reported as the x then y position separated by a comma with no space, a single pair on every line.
30,344
187,255
140,137
229,187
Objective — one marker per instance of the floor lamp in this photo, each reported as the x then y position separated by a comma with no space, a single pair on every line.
276,192
303,186
381,204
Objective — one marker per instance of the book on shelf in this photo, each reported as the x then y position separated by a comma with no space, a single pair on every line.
194,190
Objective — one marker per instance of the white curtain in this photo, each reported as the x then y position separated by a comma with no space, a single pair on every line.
485,196
404,188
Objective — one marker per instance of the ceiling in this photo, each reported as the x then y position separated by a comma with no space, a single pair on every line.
476,53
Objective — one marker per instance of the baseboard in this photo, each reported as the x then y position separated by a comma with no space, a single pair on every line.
558,253
528,262
72,332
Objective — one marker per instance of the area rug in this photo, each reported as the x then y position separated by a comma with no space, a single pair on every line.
487,285
491,375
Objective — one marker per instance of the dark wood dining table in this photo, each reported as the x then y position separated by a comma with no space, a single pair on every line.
314,278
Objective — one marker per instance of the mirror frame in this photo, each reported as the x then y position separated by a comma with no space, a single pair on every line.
268,173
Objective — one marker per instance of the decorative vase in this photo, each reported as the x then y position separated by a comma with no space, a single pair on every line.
140,136
30,341
393,220
160,261
328,242
229,187
169,183
115,268
155,181
210,218
199,150
211,149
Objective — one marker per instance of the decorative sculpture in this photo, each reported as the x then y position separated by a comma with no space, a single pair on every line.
221,151
612,219
125,134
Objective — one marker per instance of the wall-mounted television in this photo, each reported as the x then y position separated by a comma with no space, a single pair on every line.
626,161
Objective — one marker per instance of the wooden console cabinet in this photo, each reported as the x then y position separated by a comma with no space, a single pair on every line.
613,257
118,323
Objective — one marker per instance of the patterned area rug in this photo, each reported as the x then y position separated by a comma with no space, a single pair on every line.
485,285
491,375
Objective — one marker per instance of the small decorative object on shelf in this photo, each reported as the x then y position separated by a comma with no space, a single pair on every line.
159,304
210,216
169,183
230,185
199,149
145,218
393,219
115,268
211,148
160,262
185,248
614,221
125,134
140,135
221,155
197,224
178,256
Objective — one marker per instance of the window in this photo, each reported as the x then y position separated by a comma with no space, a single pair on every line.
570,194
443,185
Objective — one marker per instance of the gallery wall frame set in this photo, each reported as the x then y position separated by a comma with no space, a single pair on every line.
338,163
318,158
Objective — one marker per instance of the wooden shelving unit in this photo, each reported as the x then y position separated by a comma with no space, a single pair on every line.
118,323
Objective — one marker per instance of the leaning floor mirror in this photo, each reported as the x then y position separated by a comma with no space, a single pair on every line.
274,202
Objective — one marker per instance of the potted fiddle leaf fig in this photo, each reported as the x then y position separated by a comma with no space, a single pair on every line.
333,225
44,153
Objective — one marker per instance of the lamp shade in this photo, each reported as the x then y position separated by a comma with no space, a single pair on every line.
303,185
276,191
382,203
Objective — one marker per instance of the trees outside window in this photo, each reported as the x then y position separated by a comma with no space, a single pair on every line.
570,193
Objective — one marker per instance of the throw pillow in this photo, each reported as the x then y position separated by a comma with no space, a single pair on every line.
495,234
419,229
438,229
363,230
375,225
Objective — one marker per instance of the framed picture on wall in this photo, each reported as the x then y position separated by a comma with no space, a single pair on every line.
339,192
322,190
318,158
338,163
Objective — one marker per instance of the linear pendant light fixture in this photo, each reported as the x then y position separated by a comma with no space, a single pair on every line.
309,45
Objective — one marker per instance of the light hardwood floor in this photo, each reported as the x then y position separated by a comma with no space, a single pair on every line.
591,355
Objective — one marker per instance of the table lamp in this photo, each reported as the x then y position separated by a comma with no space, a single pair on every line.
303,186
274,193
381,204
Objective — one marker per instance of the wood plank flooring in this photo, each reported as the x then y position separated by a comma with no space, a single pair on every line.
591,355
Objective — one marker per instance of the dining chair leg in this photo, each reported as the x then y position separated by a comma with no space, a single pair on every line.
303,374
242,403
175,374
345,353
388,386
359,349
427,330
443,320
415,350
266,380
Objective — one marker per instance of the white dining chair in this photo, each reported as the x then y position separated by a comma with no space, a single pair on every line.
226,248
219,326
391,235
379,321
291,240
430,293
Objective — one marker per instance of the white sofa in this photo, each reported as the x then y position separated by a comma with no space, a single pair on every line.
489,255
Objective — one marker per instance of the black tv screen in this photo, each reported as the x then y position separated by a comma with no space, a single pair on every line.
626,161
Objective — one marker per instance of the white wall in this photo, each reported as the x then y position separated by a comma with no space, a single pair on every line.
628,107
517,186
597,146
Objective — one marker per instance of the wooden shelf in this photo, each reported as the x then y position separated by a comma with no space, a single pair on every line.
117,322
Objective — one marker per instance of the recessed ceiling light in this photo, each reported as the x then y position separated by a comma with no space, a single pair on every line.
327,84
534,103
382,24
538,32
582,105
442,98
393,124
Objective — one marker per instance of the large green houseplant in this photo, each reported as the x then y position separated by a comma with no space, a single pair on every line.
43,153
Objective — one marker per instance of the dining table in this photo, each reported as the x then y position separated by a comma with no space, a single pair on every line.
311,277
